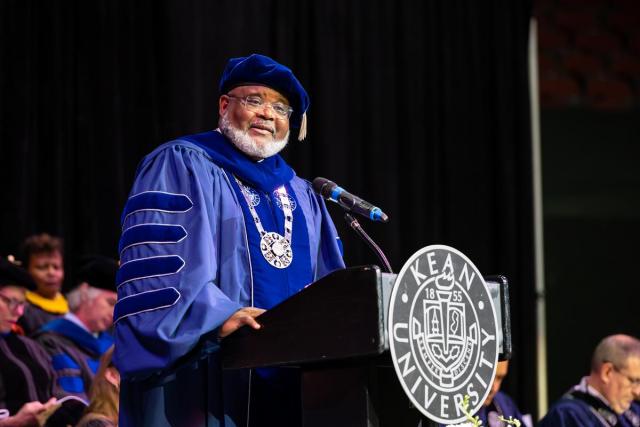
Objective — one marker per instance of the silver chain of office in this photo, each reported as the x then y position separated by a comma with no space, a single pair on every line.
275,248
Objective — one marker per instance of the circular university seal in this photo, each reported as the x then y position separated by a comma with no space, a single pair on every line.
442,332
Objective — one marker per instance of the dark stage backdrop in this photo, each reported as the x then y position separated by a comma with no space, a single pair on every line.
421,107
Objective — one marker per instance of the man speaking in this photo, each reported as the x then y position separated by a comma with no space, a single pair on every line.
217,229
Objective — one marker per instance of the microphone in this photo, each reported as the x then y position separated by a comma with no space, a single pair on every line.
331,191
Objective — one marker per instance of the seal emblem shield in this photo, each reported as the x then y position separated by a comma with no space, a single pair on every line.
442,329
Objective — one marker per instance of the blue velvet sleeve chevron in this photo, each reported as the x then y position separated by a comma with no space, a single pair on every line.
151,233
156,201
184,267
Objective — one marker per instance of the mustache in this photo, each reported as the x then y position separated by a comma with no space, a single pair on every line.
263,124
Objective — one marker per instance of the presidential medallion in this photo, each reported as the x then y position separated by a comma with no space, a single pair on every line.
276,250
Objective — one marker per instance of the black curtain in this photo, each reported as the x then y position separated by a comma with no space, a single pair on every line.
420,107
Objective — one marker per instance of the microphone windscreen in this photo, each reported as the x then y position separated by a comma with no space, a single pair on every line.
323,187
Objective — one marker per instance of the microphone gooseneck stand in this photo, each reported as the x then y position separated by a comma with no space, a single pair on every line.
355,225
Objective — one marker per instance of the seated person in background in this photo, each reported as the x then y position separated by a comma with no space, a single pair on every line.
103,407
78,339
499,404
26,375
42,257
604,397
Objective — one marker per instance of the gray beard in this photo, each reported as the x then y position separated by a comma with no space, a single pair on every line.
247,144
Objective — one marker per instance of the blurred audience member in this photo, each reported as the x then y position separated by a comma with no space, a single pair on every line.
499,404
26,375
78,339
103,407
605,396
42,255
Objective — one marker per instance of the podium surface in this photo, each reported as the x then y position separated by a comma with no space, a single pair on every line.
341,316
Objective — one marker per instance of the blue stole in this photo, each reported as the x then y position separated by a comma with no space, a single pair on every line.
273,285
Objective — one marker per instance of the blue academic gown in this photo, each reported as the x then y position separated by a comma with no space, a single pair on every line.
187,263
574,410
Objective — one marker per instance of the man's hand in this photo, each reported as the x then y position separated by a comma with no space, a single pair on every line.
244,316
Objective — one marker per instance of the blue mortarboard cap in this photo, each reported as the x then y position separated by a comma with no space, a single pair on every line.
262,70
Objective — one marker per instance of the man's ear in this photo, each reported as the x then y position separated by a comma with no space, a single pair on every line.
223,104
606,370
113,376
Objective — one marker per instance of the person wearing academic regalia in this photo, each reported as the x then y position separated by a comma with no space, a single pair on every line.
604,397
27,379
217,229
498,404
43,256
78,339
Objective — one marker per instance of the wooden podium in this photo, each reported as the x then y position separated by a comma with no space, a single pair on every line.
335,331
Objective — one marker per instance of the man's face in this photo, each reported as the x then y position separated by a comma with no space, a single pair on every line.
262,125
622,384
501,372
11,307
48,272
98,313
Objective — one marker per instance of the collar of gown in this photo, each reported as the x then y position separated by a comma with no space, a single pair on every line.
265,175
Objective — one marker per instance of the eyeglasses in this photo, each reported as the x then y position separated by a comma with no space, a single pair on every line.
11,303
256,104
635,382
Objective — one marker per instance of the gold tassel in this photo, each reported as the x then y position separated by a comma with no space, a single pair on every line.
303,128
